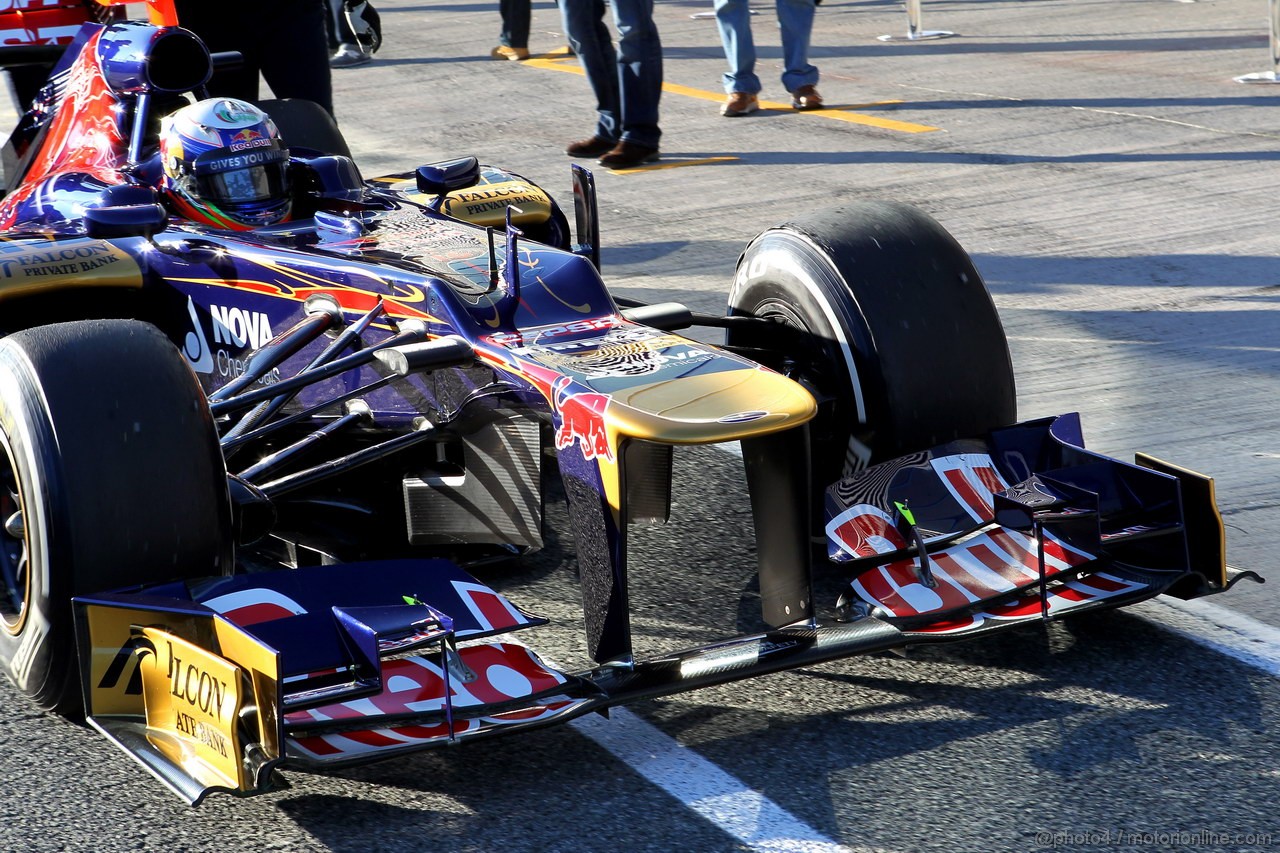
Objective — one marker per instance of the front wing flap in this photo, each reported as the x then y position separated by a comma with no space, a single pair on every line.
184,691
974,530
211,686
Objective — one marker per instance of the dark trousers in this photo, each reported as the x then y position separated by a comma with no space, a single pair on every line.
517,17
285,40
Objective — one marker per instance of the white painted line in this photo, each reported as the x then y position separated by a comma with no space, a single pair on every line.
1219,628
1052,339
700,786
1044,339
747,815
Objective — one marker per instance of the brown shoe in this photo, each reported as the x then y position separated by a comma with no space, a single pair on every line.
628,155
593,147
511,53
740,104
806,98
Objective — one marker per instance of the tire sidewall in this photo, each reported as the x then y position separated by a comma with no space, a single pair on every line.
120,477
785,268
45,635
926,359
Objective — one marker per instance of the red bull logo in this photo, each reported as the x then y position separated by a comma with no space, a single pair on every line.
248,138
581,418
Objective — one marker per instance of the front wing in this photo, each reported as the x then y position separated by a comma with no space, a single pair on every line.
214,685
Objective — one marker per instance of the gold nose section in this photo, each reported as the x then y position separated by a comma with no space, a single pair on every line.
712,407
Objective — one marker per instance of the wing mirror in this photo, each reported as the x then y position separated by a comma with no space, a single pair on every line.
126,210
448,175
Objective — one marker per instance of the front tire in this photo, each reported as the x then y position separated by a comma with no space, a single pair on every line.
890,326
110,476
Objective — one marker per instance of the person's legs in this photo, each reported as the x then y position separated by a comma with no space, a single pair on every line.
733,17
339,29
293,50
345,48
590,39
795,17
221,27
517,16
639,71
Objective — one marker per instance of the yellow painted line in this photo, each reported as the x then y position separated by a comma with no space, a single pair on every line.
672,164
839,114
870,121
570,64
556,62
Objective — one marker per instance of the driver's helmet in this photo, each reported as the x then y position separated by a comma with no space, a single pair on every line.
224,164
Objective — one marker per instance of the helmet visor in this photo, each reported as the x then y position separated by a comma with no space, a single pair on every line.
228,178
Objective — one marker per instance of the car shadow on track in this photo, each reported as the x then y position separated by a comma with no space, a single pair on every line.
980,737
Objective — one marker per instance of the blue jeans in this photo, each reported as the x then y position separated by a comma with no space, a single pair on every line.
626,82
795,17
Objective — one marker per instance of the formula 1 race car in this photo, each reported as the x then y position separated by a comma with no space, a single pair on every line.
251,471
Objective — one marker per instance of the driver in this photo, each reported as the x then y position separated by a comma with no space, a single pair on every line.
224,165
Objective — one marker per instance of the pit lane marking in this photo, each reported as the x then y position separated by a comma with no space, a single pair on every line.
1223,629
702,787
846,114
1042,339
746,815
673,164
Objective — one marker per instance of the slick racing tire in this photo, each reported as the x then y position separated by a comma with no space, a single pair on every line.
305,124
891,329
110,476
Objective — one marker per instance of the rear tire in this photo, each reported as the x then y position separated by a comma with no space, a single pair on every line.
110,476
896,334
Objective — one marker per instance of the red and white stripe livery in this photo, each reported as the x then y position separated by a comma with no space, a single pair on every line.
505,673
989,562
1062,598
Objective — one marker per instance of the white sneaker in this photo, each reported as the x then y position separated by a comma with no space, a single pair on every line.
349,55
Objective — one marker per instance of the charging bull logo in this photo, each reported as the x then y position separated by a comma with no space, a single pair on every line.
582,418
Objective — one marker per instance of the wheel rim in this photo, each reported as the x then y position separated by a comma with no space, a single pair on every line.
793,364
15,574
819,368
815,366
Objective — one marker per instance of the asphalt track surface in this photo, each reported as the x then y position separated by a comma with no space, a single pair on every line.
1117,190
